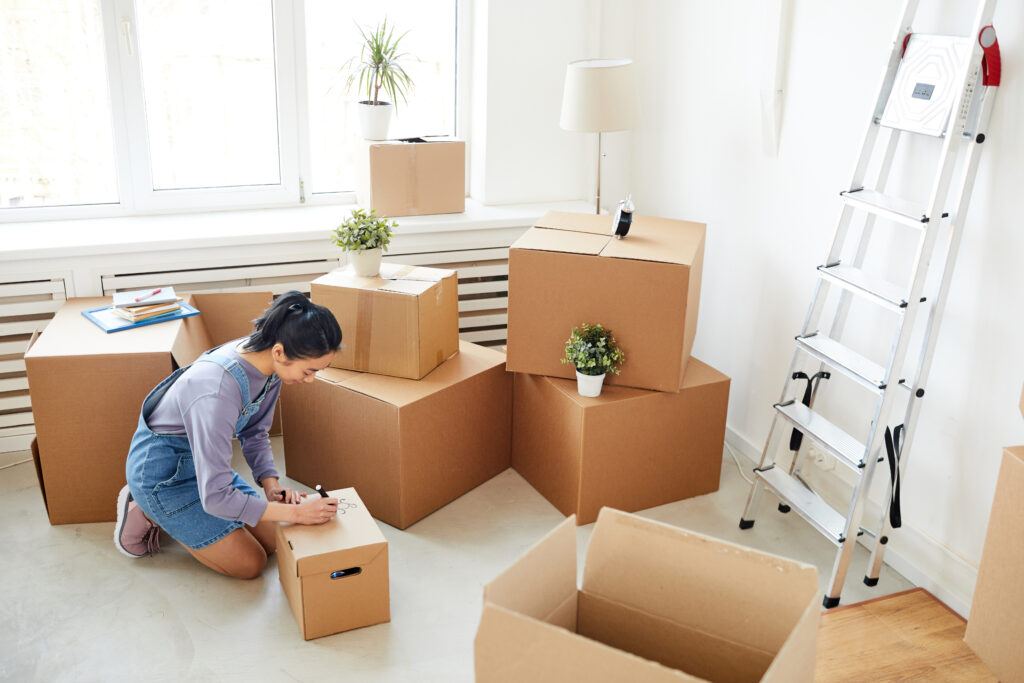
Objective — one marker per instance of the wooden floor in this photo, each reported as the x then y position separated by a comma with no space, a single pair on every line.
908,636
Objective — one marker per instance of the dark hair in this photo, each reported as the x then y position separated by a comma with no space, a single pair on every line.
305,329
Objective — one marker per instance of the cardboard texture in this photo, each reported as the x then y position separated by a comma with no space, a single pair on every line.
399,333
410,447
628,448
335,575
87,389
995,629
656,603
568,270
412,177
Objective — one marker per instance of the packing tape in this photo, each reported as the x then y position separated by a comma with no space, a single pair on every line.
405,270
364,330
414,189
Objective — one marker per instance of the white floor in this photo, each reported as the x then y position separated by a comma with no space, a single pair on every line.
74,609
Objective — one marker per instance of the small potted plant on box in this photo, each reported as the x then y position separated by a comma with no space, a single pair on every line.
594,352
365,236
378,68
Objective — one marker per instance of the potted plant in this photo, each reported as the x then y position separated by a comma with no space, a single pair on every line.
378,68
594,352
365,236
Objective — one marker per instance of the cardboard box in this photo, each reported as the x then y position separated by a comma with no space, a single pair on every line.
568,270
413,176
409,446
995,629
335,575
657,603
630,449
87,389
402,328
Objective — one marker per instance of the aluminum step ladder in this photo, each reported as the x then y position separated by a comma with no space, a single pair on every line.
936,90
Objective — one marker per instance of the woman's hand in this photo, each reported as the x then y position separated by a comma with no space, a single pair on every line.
316,511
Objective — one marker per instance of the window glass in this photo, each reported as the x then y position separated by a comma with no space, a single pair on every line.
210,92
332,38
56,139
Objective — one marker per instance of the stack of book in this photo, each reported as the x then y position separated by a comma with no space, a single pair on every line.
146,304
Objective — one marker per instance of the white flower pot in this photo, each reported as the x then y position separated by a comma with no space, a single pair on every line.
374,119
366,263
589,385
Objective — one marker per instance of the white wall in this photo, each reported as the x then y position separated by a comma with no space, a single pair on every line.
698,155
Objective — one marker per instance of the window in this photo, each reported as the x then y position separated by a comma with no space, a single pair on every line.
123,106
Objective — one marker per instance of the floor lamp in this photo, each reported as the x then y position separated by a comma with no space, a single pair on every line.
599,97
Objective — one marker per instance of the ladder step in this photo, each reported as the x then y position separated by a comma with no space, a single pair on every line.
806,502
838,443
893,208
845,359
869,286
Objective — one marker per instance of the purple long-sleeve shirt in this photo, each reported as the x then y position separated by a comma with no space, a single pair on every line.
204,405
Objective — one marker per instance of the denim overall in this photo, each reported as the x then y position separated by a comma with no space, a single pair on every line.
161,473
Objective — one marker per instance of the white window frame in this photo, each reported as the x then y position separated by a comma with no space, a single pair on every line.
131,136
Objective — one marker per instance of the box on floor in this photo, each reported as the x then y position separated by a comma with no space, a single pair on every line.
412,176
335,575
87,389
995,629
396,326
408,446
628,448
568,270
656,603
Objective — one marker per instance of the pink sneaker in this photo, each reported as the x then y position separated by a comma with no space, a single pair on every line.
134,534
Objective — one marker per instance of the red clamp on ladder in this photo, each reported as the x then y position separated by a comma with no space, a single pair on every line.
991,64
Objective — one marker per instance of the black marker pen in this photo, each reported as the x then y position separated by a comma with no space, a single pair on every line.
320,490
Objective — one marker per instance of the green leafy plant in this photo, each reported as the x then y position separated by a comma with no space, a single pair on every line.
593,350
363,230
378,66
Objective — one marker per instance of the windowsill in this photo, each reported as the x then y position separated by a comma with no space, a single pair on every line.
86,237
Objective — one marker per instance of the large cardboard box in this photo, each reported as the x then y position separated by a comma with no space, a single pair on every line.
392,326
568,270
409,446
87,389
995,629
335,575
412,176
657,603
627,448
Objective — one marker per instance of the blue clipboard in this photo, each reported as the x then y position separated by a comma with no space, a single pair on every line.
108,321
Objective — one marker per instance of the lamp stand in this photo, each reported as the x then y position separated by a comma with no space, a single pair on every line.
597,209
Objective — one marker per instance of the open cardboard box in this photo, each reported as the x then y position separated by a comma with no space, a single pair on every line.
995,629
412,176
657,603
568,270
630,449
408,446
87,389
397,327
335,575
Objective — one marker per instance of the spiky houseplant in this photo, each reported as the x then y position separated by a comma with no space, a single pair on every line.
593,350
363,230
379,67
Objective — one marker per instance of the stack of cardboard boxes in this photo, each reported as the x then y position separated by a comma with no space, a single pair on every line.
407,414
656,432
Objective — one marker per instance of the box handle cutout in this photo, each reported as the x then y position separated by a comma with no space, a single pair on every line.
342,573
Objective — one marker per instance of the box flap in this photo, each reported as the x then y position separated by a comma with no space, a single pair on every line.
351,539
469,361
229,315
720,588
544,239
597,224
70,333
194,337
542,581
659,239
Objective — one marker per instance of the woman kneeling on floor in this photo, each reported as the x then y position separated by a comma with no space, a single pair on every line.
179,464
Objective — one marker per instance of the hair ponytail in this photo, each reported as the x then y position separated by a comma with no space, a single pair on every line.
304,329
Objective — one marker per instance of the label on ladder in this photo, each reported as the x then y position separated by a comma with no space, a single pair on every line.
927,84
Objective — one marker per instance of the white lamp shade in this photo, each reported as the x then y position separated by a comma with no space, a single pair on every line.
599,96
